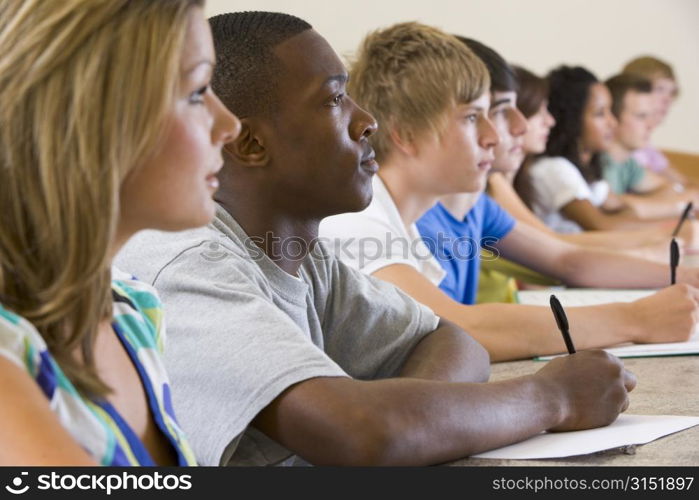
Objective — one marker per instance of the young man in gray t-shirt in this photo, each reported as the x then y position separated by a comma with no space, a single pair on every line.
276,348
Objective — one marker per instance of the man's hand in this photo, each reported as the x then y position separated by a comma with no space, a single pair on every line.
592,387
669,315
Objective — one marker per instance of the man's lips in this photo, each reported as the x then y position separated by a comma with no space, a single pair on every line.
368,158
368,153
370,165
368,161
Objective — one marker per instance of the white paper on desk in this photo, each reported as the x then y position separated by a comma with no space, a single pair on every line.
626,430
648,350
591,297
581,297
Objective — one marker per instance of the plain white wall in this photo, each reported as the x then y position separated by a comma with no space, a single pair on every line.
538,34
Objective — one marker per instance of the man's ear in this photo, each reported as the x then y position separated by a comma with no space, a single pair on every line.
249,147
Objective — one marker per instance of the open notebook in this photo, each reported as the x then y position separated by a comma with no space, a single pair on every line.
590,297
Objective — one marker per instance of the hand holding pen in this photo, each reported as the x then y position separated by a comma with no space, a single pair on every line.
595,383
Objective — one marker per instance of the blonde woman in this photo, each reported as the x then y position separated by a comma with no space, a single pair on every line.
107,126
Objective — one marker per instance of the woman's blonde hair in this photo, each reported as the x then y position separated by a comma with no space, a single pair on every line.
85,87
408,75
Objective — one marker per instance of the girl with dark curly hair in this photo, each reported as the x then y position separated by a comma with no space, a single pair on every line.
564,187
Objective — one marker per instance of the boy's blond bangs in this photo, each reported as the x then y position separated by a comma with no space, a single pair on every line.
409,75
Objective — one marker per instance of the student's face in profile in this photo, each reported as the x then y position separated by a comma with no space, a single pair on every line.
539,126
458,159
635,120
173,188
598,121
319,143
665,92
510,125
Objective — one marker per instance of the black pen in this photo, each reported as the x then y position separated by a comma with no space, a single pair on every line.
674,259
684,215
562,322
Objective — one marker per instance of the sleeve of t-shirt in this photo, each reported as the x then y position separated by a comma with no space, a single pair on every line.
497,223
369,326
651,158
556,182
230,351
20,342
365,241
636,173
147,301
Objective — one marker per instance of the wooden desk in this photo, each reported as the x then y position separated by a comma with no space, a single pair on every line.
666,386
685,163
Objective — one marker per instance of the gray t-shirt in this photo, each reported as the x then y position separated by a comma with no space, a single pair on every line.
241,330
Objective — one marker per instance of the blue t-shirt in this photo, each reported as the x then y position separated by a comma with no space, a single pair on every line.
456,244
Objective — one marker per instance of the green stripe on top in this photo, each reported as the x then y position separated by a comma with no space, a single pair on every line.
9,316
145,299
150,307
30,356
140,334
64,382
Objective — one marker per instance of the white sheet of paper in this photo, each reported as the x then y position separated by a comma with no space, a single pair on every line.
591,297
626,430
581,297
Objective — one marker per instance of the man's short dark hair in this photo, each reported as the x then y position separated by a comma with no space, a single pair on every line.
624,83
502,77
246,75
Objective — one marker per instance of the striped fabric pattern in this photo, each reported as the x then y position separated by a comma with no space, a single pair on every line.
95,424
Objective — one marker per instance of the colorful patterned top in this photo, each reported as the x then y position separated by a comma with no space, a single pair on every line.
96,425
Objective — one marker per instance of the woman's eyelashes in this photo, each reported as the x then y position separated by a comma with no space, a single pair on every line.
197,97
